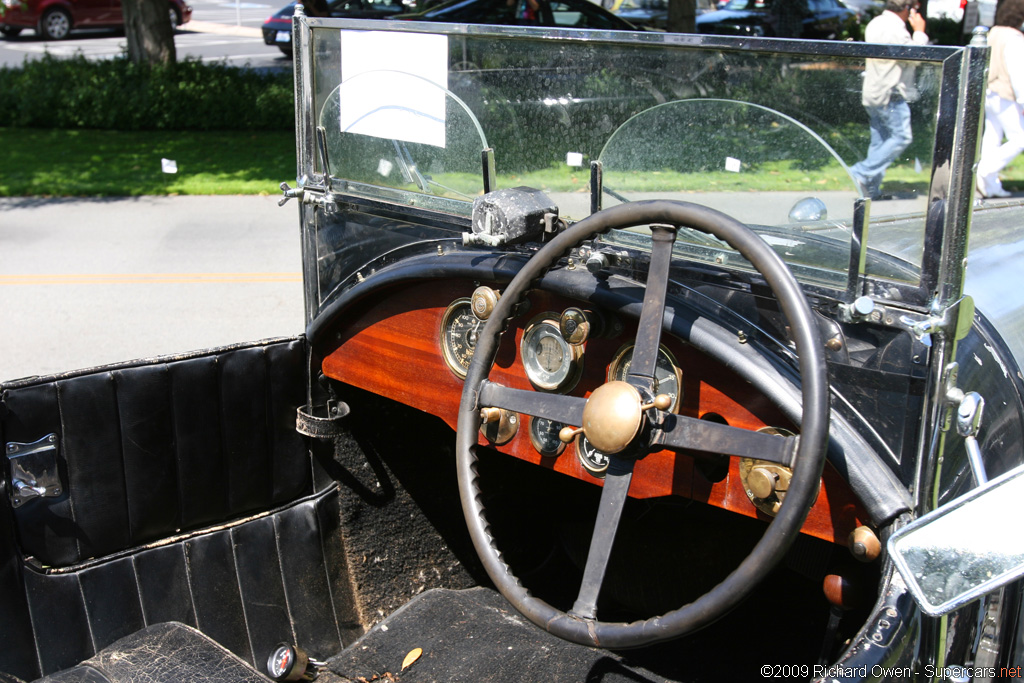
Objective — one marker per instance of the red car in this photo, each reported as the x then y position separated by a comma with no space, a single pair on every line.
54,19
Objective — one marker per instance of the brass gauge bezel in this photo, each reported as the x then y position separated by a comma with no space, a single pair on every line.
620,357
539,447
591,468
450,313
547,323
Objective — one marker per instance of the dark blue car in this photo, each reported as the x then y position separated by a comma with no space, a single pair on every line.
812,19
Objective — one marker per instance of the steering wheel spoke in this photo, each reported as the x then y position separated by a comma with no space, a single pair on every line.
686,433
609,512
645,353
556,407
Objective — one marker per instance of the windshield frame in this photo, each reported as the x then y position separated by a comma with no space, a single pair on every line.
950,183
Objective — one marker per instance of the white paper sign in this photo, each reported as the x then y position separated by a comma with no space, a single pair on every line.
393,85
732,164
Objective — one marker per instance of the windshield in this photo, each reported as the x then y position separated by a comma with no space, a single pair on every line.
766,131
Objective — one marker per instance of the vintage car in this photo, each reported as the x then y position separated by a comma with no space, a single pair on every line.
609,373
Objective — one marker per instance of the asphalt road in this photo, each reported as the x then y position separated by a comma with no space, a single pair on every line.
86,282
219,31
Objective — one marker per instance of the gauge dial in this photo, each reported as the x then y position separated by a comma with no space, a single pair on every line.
459,332
544,436
552,364
668,378
594,461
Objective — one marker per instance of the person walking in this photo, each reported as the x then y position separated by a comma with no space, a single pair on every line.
888,87
1003,98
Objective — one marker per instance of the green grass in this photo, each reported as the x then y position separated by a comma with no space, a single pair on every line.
86,163
79,163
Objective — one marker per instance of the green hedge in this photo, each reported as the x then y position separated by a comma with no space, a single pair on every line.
119,95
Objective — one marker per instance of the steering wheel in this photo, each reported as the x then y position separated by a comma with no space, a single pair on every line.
625,420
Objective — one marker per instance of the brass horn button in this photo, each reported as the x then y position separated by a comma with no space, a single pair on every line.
612,416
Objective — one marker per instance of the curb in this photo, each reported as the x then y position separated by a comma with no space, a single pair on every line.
221,29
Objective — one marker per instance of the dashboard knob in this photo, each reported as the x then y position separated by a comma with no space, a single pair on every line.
597,262
484,300
864,544
574,324
761,482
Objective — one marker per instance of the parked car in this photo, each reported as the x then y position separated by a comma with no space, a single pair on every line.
656,396
822,19
277,29
555,13
55,19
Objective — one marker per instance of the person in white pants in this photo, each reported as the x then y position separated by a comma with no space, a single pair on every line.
1003,99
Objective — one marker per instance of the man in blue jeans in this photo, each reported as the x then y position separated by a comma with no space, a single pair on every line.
888,87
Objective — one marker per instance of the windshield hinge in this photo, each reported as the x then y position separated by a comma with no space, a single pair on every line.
954,321
312,195
967,410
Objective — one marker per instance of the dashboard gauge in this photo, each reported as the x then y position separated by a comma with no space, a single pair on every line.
544,436
667,375
459,333
552,364
593,460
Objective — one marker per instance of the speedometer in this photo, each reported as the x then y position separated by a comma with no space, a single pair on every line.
459,331
668,378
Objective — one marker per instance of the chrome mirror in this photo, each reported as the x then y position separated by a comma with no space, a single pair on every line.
964,549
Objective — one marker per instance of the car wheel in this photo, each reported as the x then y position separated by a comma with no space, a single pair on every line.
55,24
10,31
175,18
286,50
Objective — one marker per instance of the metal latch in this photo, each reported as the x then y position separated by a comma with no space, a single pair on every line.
33,470
322,422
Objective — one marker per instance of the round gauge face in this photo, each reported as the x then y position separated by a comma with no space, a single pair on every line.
551,363
459,332
593,460
668,378
280,662
544,436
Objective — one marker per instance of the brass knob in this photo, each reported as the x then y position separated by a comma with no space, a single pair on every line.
489,415
864,544
574,326
483,301
661,402
567,434
761,482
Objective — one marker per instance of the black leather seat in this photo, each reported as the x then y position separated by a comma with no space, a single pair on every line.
163,653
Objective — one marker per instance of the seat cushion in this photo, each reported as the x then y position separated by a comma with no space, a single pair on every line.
162,653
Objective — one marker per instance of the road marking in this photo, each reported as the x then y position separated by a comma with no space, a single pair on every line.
135,278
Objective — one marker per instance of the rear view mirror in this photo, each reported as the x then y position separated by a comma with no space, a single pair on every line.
964,549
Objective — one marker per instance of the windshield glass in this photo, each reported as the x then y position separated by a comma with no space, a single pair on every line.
766,131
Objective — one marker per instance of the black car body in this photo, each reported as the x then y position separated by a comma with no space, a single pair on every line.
818,19
610,372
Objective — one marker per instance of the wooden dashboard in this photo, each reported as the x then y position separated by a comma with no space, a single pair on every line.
391,346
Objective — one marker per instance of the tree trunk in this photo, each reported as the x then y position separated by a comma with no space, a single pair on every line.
682,15
147,25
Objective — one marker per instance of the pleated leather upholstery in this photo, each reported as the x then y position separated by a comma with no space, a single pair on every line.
249,587
153,449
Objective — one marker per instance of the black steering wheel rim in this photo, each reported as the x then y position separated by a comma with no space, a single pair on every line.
808,462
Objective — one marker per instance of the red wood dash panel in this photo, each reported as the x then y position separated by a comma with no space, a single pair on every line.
391,347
